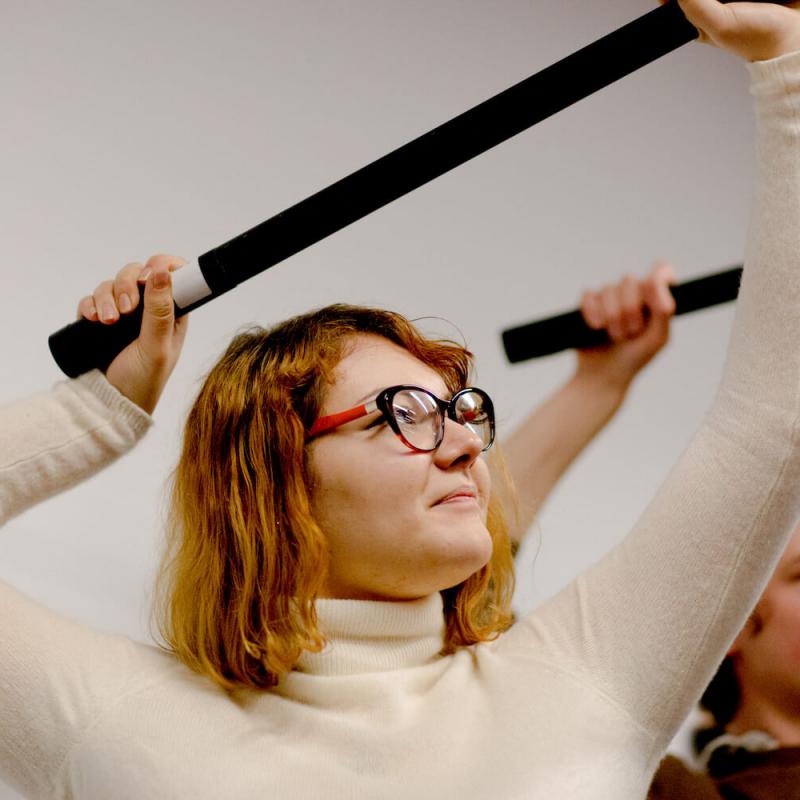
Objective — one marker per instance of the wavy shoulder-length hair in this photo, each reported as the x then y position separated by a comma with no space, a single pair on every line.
244,558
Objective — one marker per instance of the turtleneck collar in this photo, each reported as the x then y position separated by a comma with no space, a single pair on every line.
367,636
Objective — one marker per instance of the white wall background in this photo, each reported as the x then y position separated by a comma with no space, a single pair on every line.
134,128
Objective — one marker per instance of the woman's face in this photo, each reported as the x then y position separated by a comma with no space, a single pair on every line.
400,524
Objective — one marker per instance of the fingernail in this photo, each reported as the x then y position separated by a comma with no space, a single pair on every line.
91,311
108,313
161,280
145,274
124,303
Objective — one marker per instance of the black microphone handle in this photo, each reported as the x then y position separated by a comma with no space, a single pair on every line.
569,330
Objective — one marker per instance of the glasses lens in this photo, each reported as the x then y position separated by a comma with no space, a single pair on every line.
474,410
418,418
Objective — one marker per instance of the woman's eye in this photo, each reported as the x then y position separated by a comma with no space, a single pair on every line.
406,415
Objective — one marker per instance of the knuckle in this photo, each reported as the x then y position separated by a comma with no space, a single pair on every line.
651,292
104,289
162,311
86,307
631,315
611,306
123,283
129,273
589,302
633,305
164,259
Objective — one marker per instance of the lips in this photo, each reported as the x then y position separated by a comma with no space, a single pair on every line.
463,493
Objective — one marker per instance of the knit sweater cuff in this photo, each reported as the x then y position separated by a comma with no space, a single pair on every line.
782,72
115,402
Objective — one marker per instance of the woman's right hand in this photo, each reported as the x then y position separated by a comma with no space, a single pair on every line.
142,369
753,31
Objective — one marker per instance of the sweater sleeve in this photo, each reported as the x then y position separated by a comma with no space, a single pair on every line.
649,623
55,674
54,440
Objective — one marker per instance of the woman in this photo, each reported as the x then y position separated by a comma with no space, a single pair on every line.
347,467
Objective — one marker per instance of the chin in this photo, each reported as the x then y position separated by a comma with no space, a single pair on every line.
472,555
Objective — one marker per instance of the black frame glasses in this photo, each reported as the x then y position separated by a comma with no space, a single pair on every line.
470,407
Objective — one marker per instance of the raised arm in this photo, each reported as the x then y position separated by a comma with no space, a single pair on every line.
56,675
647,626
636,314
57,439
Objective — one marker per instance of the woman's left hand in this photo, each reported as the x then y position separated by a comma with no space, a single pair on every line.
636,315
753,31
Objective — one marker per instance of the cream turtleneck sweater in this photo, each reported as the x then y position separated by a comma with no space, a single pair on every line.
578,700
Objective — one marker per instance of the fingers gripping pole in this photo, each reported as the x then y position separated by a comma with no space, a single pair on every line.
569,330
84,345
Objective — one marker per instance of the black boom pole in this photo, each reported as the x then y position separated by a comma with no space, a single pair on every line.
84,345
568,330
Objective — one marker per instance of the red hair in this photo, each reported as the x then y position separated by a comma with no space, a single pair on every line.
245,559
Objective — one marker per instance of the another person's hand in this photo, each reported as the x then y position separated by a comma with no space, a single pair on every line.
636,315
142,369
753,31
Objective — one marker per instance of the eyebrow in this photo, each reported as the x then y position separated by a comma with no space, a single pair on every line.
368,396
375,392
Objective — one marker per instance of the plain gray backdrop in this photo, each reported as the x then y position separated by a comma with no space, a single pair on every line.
135,128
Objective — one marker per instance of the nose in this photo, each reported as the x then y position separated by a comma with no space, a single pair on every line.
459,447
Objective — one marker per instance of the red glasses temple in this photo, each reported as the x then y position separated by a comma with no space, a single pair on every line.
334,420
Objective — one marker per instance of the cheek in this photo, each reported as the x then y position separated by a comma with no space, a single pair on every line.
357,490
483,481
